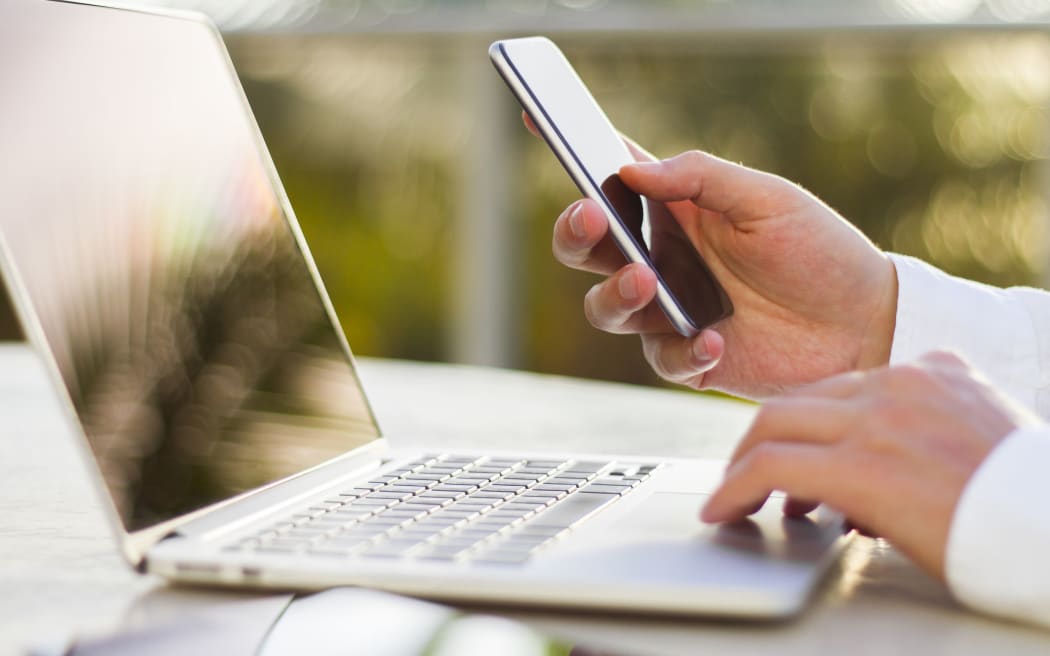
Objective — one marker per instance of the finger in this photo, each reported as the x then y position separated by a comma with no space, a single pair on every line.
527,120
581,240
611,305
804,419
681,359
800,470
799,507
709,182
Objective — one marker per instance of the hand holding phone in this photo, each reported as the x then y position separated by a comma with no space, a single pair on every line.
592,152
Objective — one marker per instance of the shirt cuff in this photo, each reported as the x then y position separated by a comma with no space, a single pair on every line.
984,324
995,559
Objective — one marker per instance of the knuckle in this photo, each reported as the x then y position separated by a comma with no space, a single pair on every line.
763,459
776,406
882,424
566,253
878,437
655,355
912,376
591,309
944,358
694,158
769,415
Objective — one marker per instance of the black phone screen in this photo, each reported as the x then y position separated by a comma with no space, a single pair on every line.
588,136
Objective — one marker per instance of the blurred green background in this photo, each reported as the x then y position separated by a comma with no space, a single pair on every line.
933,145
933,141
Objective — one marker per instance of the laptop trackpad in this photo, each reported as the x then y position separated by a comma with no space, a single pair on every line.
667,512
665,532
660,542
670,513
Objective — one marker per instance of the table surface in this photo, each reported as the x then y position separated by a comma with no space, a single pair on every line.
60,573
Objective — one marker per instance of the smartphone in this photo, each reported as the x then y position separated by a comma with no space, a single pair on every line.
592,151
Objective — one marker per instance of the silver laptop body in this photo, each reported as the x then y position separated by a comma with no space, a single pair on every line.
156,264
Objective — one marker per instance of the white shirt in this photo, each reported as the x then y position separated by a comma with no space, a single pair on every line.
998,553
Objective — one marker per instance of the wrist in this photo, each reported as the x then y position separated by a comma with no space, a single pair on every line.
876,340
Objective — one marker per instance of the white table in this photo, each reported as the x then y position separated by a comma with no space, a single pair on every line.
60,574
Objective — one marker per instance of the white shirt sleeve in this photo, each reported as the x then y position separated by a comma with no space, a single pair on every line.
1003,333
1000,533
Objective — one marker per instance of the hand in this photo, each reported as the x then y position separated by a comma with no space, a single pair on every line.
813,297
890,448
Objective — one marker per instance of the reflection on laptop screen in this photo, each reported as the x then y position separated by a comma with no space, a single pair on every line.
150,246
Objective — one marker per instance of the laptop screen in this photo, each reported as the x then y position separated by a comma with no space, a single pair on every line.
146,240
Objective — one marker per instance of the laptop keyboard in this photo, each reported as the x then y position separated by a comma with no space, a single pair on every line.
450,508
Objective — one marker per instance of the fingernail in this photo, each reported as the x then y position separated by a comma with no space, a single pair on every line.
629,286
576,221
647,167
707,515
700,353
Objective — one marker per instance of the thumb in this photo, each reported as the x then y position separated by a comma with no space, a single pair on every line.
709,182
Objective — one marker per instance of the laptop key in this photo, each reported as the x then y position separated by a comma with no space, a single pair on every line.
534,471
604,489
404,486
545,464
442,553
535,493
427,476
519,541
330,551
413,532
480,505
547,486
533,528
455,487
489,493
565,479
393,546
520,474
476,532
446,494
373,501
397,496
587,467
399,513
501,558
506,462
307,532
430,502
458,460
504,487
286,543
572,509
456,541
611,480
413,505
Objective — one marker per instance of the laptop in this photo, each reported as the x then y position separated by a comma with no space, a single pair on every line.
155,262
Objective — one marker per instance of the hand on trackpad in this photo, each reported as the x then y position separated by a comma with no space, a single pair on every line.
678,514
